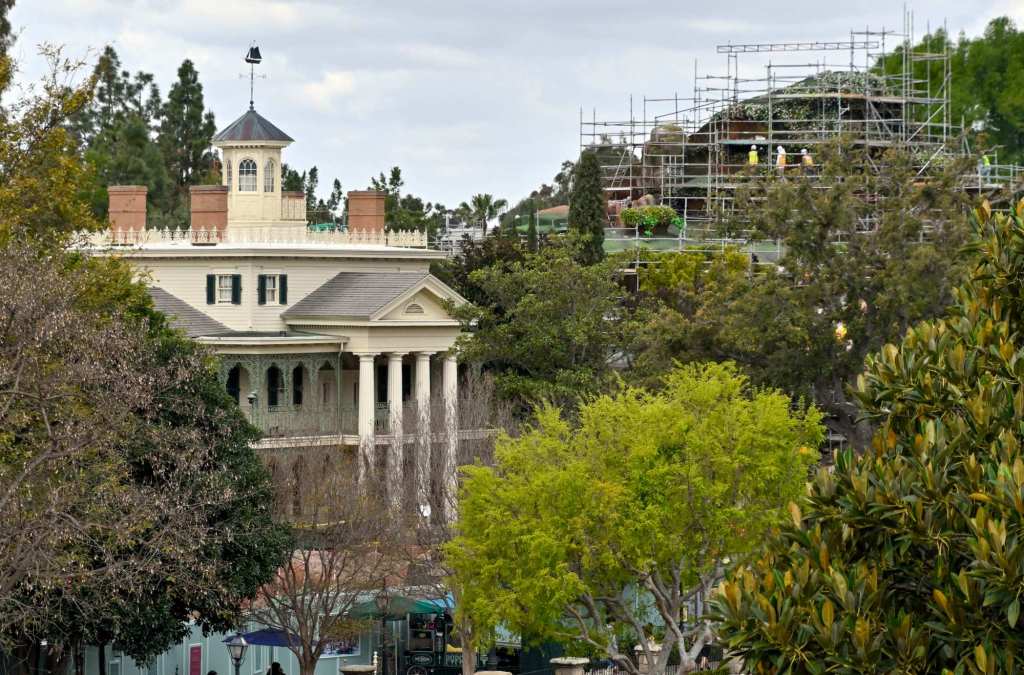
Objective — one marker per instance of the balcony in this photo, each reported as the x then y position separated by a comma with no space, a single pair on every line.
300,421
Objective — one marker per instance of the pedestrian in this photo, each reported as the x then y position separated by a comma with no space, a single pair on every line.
275,669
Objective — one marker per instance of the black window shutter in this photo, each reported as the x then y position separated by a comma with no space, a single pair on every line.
236,289
211,289
261,289
282,288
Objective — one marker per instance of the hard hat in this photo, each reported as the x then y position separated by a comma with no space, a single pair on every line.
753,147
781,149
803,151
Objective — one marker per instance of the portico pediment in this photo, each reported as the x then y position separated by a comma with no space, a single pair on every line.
423,302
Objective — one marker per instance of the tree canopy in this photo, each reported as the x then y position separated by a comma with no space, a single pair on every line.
547,326
589,534
909,558
854,274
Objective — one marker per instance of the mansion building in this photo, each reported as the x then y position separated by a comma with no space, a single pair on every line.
337,344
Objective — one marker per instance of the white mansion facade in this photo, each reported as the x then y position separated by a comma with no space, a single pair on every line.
331,341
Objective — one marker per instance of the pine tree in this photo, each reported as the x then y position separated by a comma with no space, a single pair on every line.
531,233
588,210
186,129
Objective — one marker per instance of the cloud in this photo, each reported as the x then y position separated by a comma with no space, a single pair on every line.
324,92
465,95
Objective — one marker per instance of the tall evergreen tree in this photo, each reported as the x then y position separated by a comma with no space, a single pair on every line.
186,129
588,209
531,234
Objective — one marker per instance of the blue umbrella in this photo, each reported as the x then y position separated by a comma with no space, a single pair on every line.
267,637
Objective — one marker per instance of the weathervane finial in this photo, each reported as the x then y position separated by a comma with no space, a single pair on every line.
252,57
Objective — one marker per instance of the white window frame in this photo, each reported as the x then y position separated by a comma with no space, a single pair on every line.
225,291
246,180
270,288
268,176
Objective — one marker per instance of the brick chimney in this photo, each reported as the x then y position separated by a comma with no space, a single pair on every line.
127,210
366,210
209,209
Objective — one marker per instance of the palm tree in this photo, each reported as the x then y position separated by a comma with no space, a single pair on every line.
482,208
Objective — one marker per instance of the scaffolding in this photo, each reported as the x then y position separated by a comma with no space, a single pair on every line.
692,153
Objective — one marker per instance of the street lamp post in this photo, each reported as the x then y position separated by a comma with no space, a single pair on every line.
236,648
382,607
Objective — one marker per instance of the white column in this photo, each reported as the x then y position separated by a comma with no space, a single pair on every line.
423,443
396,462
450,390
367,447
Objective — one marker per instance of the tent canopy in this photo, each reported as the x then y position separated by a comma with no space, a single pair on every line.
397,607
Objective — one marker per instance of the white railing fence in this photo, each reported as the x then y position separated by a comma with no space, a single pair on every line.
287,235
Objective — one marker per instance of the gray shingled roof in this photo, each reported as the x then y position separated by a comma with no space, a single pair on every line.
184,316
355,294
252,127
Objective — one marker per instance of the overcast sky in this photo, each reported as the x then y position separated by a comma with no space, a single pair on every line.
466,96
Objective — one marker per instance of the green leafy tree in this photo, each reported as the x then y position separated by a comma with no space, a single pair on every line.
588,535
41,179
186,129
588,209
909,558
548,327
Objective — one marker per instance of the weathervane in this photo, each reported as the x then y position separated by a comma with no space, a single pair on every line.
252,57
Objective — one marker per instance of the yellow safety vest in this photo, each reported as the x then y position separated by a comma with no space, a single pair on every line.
752,157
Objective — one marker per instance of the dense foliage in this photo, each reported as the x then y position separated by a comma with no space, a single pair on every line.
909,558
987,78
548,327
854,274
588,534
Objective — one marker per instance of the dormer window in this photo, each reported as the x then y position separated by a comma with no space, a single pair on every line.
268,176
247,176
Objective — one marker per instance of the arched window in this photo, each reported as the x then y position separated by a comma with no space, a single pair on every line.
268,176
297,378
275,386
247,176
227,168
235,383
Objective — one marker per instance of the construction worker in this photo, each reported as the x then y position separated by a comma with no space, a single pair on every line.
752,156
805,158
985,166
780,158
